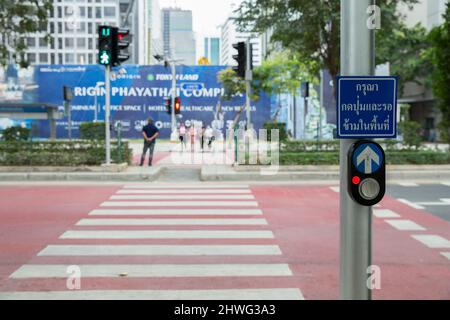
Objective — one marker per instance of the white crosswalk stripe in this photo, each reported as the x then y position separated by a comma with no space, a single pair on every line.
178,212
188,191
166,222
405,225
225,294
114,230
183,197
157,270
188,186
432,241
166,234
385,213
179,204
408,184
159,250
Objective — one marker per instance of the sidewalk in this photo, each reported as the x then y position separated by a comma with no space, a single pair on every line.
170,162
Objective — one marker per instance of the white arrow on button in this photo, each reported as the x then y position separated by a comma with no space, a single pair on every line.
367,156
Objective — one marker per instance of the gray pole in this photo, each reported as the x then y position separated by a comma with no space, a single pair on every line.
107,113
96,107
248,79
174,93
69,119
357,59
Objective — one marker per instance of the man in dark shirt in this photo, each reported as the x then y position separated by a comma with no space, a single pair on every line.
150,133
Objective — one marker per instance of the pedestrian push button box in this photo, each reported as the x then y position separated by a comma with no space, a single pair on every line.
366,172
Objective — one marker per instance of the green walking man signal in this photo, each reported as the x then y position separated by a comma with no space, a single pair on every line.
112,45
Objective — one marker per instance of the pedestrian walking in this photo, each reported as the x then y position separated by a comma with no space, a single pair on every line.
192,134
209,134
150,133
202,137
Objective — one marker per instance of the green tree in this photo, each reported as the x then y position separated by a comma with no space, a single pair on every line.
283,73
310,28
19,18
406,50
440,56
234,86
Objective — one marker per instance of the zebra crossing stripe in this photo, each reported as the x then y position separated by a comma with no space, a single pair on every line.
227,294
156,270
188,186
157,211
165,222
179,204
159,250
167,234
183,197
189,191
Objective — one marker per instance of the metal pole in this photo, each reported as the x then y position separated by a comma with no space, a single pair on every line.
248,79
69,120
357,58
107,113
174,87
96,105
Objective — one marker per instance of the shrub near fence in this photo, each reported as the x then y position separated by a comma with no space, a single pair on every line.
60,153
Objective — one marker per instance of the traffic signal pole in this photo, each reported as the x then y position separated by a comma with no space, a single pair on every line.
248,79
174,93
357,59
107,113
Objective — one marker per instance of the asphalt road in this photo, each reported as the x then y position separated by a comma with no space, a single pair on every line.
427,196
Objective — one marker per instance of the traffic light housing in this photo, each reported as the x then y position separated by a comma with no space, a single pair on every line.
168,103
121,41
366,172
241,58
105,45
112,45
177,105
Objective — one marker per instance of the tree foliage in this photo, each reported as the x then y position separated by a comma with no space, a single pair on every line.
310,28
19,18
406,50
440,56
283,72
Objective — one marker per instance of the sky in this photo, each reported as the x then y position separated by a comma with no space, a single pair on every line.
207,15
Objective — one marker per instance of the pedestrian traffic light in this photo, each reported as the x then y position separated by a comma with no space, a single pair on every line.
177,105
105,45
120,43
366,172
168,103
241,59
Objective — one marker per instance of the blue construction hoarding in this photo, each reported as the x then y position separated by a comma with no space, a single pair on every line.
138,92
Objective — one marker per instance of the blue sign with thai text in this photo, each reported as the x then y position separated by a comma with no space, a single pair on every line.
366,107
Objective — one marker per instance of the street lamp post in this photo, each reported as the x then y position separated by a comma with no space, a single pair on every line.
173,65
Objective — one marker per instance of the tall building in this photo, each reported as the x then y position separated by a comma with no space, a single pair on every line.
435,11
178,35
212,50
230,36
73,26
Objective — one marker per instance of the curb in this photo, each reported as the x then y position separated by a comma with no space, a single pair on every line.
82,176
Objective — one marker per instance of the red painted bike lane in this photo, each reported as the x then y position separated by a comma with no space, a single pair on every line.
33,216
305,221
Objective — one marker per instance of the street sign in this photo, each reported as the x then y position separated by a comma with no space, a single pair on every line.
194,86
366,172
368,158
366,107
